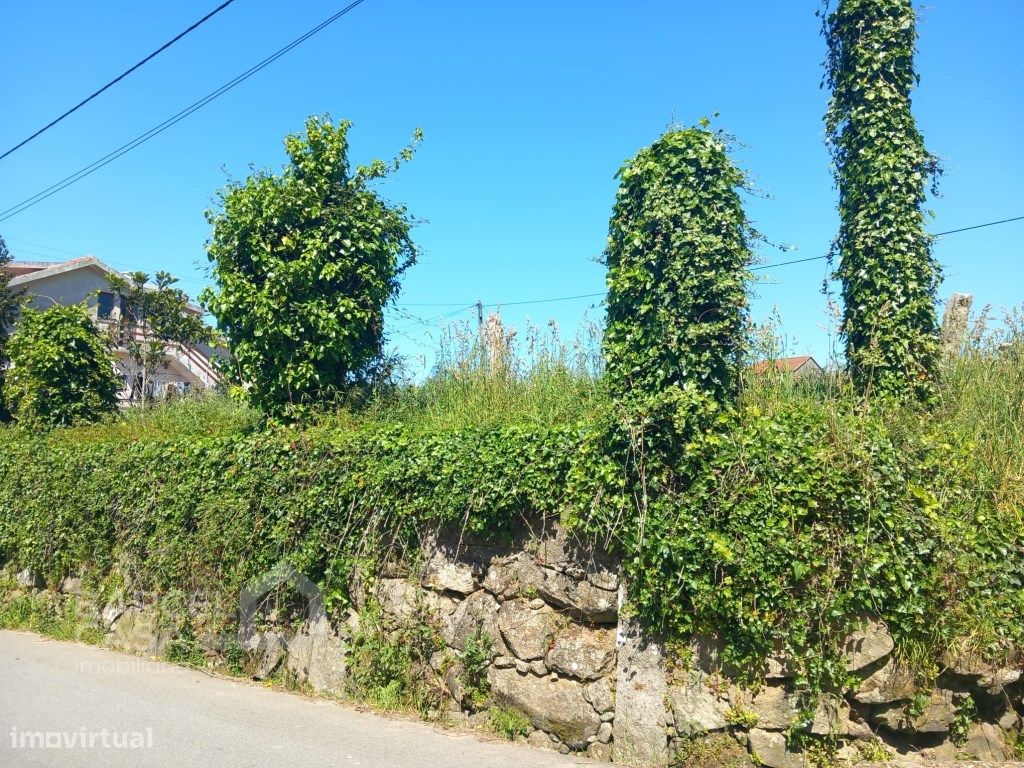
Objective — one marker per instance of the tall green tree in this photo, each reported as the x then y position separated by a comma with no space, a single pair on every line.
677,258
154,322
889,277
62,369
305,262
9,303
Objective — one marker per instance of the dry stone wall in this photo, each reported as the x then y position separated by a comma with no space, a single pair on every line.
589,678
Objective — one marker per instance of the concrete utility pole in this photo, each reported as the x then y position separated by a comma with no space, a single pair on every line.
495,341
954,325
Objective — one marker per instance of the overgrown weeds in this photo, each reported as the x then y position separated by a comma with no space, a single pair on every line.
390,666
509,721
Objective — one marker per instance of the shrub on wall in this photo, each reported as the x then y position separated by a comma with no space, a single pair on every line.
677,257
797,521
305,263
62,370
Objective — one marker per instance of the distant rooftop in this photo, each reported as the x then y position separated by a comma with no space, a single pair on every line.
785,364
27,272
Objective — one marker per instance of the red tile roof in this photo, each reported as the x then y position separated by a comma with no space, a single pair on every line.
786,364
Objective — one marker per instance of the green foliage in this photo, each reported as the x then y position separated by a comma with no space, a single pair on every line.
889,277
9,304
185,648
62,370
714,750
509,721
966,716
155,320
806,513
677,257
874,751
1015,741
476,656
390,666
55,616
199,414
802,513
738,717
305,263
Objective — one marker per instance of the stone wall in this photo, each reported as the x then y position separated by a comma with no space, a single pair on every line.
591,680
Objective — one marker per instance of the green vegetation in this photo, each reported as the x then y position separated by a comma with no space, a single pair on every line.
305,262
62,370
50,615
509,721
889,277
390,666
677,257
738,717
184,648
476,656
805,511
966,716
716,750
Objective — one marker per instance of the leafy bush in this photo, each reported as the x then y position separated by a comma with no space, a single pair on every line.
62,371
677,257
390,666
9,304
476,656
305,262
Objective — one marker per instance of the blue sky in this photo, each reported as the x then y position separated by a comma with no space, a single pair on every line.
528,110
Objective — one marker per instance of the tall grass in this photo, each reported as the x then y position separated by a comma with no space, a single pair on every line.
485,382
538,378
980,404
981,401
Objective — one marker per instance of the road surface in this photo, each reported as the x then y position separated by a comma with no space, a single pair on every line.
65,704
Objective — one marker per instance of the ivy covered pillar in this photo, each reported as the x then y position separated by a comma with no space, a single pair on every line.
889,277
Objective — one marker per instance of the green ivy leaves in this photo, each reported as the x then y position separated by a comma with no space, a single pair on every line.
889,278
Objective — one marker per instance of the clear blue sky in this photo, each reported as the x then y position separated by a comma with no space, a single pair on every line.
528,108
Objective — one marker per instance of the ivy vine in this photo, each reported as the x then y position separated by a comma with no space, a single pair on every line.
889,277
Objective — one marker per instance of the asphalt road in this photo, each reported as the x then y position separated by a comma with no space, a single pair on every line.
65,704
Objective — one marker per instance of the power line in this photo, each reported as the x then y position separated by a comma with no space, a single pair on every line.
23,251
143,138
430,320
40,245
786,263
464,307
978,226
937,234
120,77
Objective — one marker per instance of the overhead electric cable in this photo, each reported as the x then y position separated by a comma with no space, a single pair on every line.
143,138
120,77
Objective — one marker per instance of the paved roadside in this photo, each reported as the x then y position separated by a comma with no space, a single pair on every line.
65,704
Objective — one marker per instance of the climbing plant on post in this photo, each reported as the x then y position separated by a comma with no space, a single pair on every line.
889,277
677,258
679,246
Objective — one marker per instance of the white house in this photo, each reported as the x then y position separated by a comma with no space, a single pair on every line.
84,280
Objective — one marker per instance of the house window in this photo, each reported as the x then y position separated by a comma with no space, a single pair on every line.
105,306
